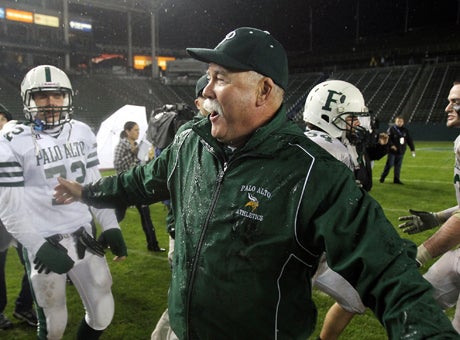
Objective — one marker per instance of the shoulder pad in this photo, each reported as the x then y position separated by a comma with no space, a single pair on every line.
9,126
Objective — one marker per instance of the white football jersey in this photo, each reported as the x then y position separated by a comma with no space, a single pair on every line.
35,161
332,145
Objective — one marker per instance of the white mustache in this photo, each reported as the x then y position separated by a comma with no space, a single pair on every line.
211,105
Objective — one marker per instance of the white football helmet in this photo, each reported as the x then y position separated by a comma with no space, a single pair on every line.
46,78
329,104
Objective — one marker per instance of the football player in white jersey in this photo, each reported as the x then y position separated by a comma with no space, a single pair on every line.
58,239
338,120
444,273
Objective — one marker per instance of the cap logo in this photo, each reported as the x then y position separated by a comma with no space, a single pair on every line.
247,49
229,36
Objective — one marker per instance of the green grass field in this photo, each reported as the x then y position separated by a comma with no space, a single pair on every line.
140,283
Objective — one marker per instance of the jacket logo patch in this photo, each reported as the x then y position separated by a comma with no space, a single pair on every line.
253,202
250,207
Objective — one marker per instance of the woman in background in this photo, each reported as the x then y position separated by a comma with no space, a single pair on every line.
125,158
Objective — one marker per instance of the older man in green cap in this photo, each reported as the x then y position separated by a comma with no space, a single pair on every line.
256,204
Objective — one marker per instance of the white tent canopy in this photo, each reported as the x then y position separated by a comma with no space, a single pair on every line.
108,135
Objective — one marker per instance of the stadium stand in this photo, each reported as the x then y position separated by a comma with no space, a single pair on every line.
416,92
418,69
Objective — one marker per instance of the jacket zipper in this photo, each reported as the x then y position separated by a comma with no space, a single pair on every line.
191,280
219,180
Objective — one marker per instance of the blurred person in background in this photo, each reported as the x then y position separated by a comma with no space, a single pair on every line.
399,140
125,157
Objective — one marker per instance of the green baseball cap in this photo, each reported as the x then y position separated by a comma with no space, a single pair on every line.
200,85
248,49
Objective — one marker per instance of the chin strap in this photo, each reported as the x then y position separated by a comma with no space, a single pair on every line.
38,125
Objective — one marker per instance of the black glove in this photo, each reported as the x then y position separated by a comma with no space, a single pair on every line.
116,242
85,241
418,221
52,256
101,240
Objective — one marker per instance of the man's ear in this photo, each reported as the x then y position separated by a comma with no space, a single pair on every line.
197,103
264,90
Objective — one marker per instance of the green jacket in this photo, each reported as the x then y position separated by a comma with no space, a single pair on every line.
250,228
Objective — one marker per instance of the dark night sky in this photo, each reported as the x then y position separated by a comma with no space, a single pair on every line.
186,23
203,23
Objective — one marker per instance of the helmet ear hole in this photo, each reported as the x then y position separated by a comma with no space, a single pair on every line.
325,118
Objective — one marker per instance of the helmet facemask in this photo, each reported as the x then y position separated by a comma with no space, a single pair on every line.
355,126
48,117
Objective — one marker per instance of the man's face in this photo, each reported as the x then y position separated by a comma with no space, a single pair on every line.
48,101
453,119
352,121
3,120
355,132
231,100
399,122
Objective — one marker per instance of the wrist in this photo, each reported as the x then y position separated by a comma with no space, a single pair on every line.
444,215
423,255
438,217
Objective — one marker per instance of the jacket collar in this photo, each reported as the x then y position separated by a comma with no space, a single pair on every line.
276,124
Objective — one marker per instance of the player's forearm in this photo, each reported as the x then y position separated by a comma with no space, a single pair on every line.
444,215
106,218
447,237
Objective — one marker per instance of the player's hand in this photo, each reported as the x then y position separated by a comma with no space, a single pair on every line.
52,258
116,242
67,191
101,240
418,221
